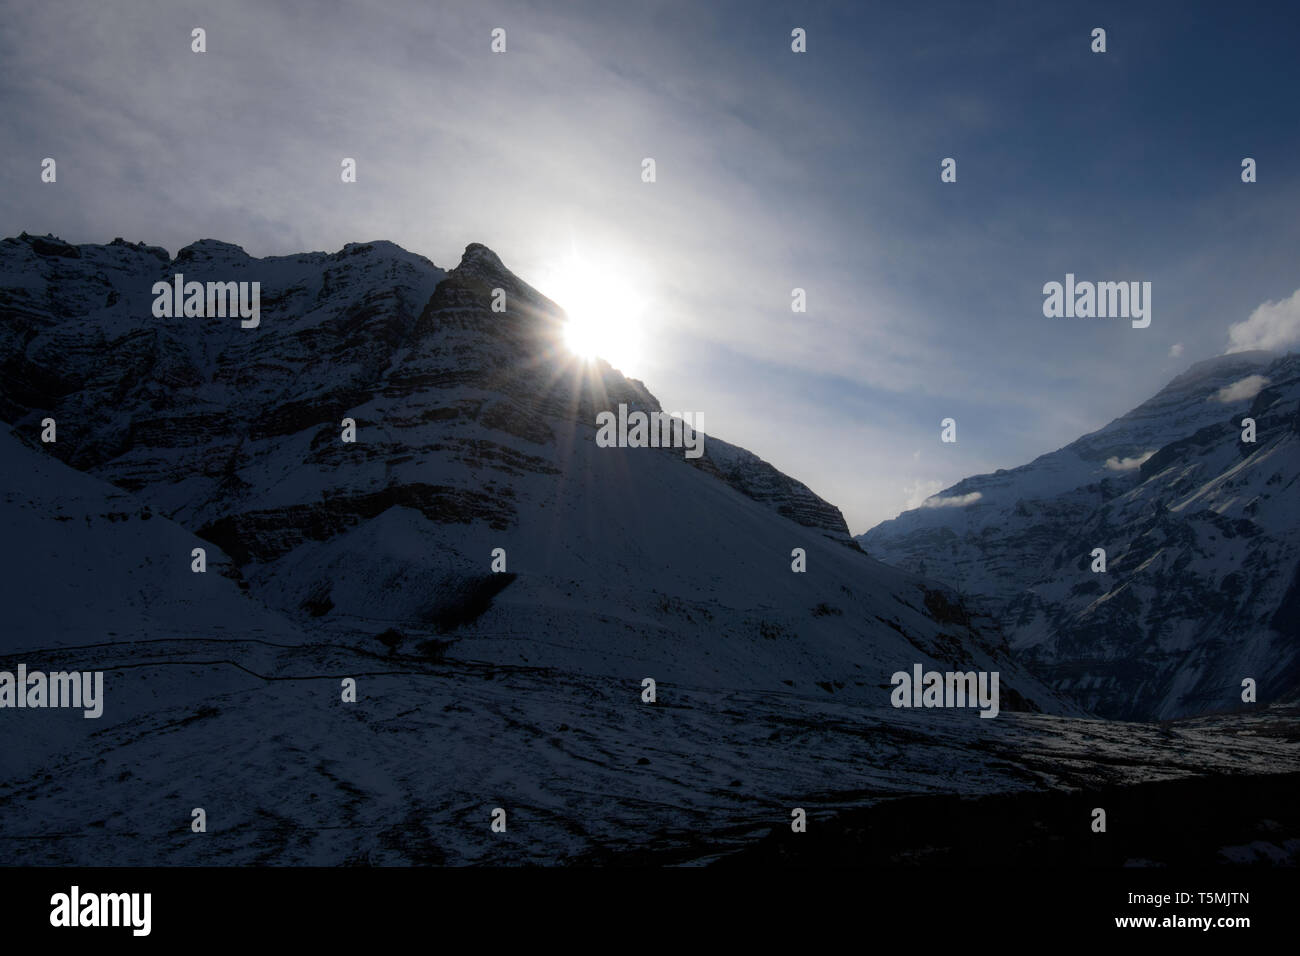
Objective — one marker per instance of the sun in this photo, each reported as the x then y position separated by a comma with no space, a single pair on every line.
604,309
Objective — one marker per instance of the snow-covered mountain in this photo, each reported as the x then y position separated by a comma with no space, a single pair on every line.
1201,532
475,430
215,701
372,560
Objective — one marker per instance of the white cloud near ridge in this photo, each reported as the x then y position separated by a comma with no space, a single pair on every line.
1273,325
955,501
1247,387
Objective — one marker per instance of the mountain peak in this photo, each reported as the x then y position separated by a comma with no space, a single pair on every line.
207,249
1229,363
480,260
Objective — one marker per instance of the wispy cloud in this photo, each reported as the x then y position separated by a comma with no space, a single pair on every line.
918,491
955,501
1273,325
1128,464
1247,387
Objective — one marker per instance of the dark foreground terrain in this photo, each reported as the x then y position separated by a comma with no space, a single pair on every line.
1196,822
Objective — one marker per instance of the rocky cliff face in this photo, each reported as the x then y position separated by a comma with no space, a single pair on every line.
475,430
1202,538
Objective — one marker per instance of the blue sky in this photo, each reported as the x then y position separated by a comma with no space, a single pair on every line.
775,170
